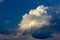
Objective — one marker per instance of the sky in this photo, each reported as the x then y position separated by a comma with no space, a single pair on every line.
15,13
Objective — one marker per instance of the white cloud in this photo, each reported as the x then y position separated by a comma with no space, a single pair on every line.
36,18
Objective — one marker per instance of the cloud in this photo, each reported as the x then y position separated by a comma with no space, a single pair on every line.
36,24
35,18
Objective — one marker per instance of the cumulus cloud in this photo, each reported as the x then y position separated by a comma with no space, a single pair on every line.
36,18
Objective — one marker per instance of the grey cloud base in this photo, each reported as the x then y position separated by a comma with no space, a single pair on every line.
42,33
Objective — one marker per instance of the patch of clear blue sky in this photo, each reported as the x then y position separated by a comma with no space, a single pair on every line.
13,10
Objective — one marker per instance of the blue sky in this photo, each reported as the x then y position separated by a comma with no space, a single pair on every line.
11,11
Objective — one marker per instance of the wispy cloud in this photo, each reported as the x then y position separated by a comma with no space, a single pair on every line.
1,1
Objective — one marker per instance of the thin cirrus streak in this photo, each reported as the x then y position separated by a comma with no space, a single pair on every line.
36,18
